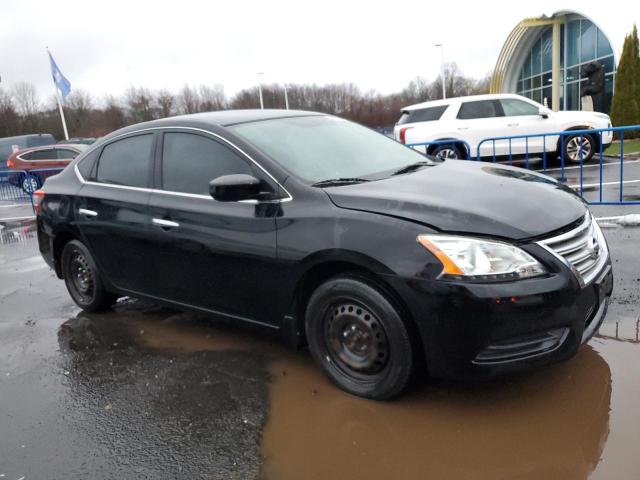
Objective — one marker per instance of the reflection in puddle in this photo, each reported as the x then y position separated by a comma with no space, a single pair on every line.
550,424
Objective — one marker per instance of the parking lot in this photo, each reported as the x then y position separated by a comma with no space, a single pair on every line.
147,392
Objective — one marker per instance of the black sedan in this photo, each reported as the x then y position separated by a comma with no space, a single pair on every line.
384,262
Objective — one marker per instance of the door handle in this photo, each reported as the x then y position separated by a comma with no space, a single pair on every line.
161,222
512,124
87,213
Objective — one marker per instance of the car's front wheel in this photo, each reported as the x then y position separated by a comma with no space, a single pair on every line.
359,338
577,147
82,278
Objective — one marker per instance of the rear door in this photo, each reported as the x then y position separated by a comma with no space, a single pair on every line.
478,120
219,256
111,210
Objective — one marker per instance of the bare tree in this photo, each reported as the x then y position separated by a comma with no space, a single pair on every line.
188,100
113,114
166,102
9,118
212,98
138,101
78,112
25,99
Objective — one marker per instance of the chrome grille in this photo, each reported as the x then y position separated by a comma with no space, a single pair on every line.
583,249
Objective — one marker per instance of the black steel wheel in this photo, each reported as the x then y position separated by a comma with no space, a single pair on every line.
82,278
359,338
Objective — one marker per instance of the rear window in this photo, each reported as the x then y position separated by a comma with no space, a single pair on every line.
126,161
422,114
47,154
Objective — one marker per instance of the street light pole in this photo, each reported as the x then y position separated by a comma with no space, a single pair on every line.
444,90
260,90
286,97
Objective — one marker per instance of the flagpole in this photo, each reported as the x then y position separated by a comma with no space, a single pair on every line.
64,122
59,100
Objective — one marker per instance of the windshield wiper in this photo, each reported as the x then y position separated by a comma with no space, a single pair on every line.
339,181
412,167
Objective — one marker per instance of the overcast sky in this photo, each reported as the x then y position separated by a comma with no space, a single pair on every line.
104,47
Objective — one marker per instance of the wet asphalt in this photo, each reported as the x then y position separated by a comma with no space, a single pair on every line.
148,392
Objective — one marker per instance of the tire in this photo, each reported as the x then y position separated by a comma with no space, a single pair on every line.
30,183
359,339
572,142
447,152
82,278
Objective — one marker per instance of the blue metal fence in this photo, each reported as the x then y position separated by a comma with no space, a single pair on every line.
557,141
17,186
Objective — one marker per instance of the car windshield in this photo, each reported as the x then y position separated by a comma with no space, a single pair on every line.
321,148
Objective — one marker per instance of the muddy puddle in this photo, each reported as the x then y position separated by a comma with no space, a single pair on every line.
571,421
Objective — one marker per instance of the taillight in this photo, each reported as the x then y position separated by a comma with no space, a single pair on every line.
38,197
10,163
403,134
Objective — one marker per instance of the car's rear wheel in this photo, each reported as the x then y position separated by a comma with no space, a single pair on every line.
447,152
578,147
82,278
359,338
30,183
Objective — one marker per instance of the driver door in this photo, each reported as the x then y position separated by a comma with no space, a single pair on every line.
217,256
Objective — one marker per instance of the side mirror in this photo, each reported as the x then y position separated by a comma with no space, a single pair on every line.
543,112
233,188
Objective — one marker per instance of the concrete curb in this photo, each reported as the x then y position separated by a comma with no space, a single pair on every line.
629,220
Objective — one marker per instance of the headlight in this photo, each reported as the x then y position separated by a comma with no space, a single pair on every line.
476,259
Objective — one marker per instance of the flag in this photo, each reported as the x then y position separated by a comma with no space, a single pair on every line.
62,84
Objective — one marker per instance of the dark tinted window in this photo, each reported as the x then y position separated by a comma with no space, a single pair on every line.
190,162
478,109
66,153
422,114
48,154
86,164
126,162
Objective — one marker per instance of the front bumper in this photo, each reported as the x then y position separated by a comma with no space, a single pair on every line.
483,330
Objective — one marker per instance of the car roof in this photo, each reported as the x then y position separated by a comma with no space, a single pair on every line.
222,118
77,146
447,101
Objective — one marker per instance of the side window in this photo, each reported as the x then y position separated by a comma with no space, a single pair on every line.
514,108
66,154
47,154
126,161
478,109
85,165
190,162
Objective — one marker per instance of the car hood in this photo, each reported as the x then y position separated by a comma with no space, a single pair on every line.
469,197
591,119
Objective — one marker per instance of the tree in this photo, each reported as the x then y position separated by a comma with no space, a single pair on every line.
138,101
25,99
78,108
625,107
9,118
166,102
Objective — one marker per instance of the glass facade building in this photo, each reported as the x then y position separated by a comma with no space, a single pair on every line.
581,42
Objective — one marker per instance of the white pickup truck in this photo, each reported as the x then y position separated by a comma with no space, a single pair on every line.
466,121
